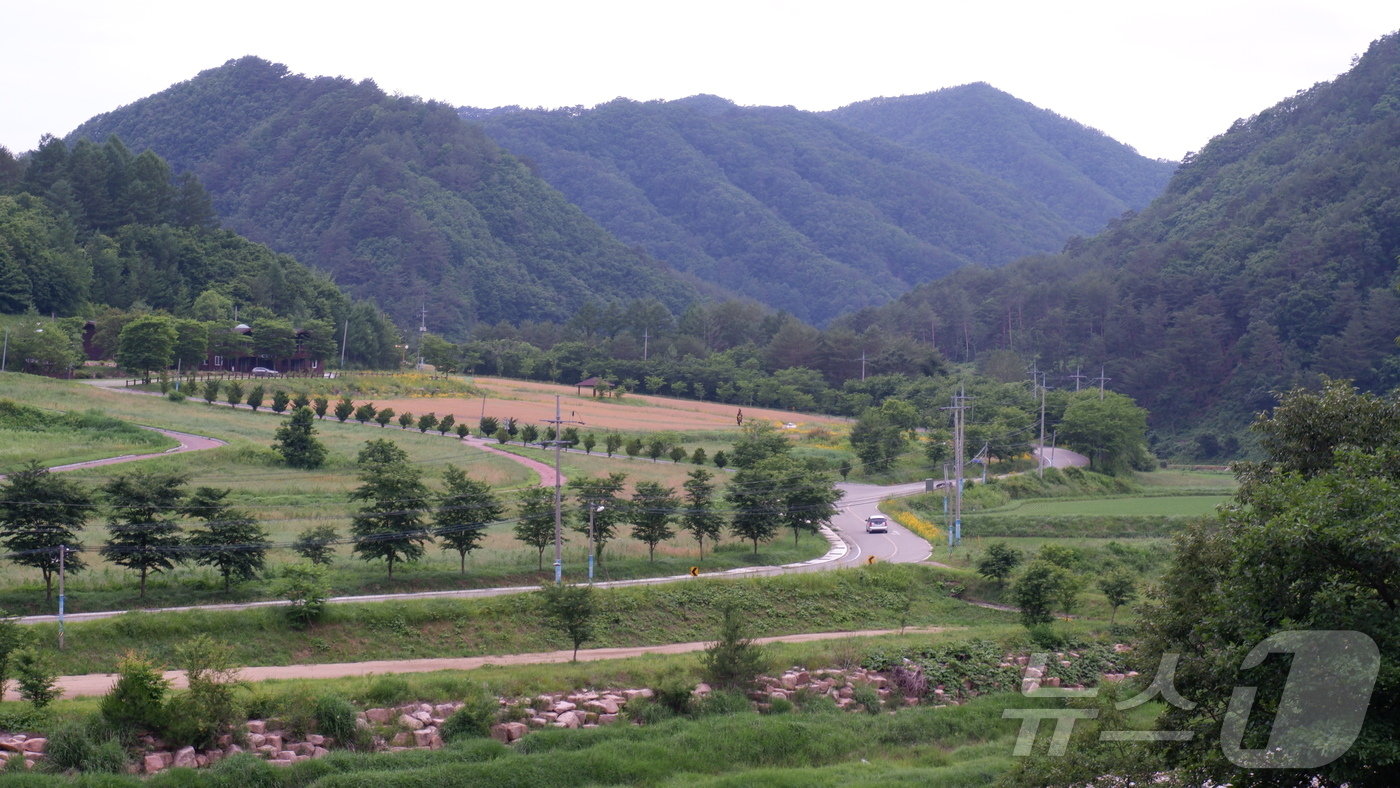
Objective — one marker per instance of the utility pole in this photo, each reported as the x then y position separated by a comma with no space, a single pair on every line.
344,341
1102,380
1078,376
62,549
422,331
1040,462
558,442
959,423
646,341
862,365
5,354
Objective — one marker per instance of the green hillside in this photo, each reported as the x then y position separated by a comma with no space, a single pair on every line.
396,198
1270,260
803,213
1085,176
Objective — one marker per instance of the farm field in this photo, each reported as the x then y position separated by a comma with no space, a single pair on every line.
533,402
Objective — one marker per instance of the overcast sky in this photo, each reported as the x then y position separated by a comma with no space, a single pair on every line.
1163,77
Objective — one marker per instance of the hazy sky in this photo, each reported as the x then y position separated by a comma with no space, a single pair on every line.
1163,77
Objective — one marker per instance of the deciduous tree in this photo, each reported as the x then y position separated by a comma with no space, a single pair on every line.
464,509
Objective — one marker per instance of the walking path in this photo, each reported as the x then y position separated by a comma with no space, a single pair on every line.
100,683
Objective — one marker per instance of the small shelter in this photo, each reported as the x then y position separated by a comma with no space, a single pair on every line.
591,383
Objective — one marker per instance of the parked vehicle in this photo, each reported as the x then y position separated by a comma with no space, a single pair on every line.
265,372
877,524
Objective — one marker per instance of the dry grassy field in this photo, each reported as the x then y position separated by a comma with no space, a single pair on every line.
531,402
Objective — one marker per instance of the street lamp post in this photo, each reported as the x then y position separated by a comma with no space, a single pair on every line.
592,548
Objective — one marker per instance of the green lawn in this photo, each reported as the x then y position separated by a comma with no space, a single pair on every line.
1127,506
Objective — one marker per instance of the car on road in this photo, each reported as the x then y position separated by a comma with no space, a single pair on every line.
877,524
265,372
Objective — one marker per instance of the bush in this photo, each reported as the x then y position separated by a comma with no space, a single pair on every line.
672,692
36,677
733,661
867,697
304,585
75,745
245,770
474,718
646,711
208,709
335,717
136,703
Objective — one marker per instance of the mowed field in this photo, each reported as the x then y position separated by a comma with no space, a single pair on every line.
533,403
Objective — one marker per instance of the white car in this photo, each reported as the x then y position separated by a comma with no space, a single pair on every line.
877,524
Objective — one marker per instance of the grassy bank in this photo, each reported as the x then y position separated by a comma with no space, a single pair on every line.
30,434
872,597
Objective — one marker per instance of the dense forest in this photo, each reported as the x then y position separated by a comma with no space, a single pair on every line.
1269,261
1083,175
818,217
95,231
397,198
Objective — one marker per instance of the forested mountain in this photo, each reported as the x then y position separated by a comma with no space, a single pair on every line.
1083,175
96,227
1270,259
810,215
397,198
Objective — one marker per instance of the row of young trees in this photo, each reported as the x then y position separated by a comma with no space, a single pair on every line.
153,523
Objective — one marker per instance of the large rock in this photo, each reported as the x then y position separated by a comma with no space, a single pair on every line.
410,723
257,726
35,745
500,733
274,740
154,762
517,729
379,716
563,706
185,758
569,719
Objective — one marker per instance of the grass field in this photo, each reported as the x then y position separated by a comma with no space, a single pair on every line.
873,597
63,438
286,501
1126,506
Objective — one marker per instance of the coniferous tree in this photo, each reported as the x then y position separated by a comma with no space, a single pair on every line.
699,517
365,412
280,400
211,390
652,509
405,420
143,532
601,495
343,409
319,406
296,441
230,539
233,393
535,520
39,512
445,423
384,416
255,397
390,523
464,509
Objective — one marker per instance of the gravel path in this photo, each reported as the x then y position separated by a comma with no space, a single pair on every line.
99,683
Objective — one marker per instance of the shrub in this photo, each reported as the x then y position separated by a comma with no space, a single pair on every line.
672,692
867,697
335,717
175,395
136,703
474,718
245,770
79,745
317,544
209,709
304,586
646,711
36,677
733,661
